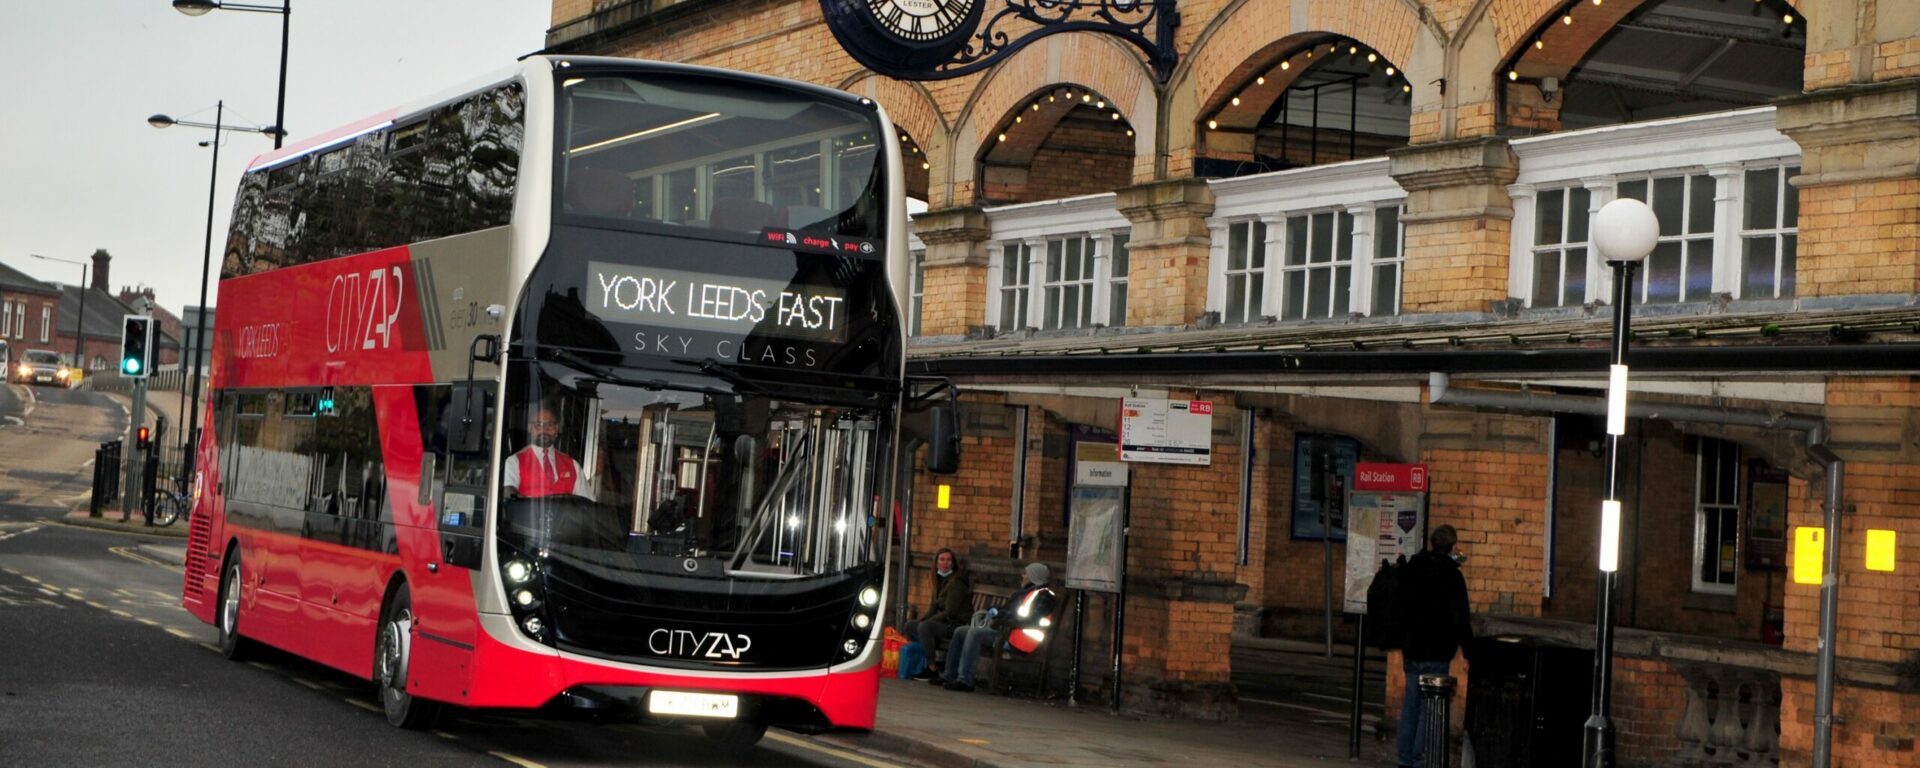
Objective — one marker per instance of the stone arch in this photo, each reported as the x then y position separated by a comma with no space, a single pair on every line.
1679,57
1249,34
1514,21
908,103
1091,61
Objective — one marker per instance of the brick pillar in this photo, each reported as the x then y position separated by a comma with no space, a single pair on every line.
1181,584
1872,423
1859,188
1457,223
956,281
1168,282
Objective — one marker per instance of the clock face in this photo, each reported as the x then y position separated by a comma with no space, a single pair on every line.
921,20
907,39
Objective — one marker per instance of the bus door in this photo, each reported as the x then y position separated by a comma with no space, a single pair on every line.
456,423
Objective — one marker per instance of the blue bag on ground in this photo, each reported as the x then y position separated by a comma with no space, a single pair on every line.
913,660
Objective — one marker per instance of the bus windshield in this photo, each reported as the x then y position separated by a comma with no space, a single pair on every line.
630,477
728,156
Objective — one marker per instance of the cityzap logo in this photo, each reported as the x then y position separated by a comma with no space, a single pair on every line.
363,310
706,645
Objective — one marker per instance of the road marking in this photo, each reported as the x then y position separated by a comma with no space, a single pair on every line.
120,613
519,761
307,683
130,554
802,743
208,646
15,421
180,633
363,705
21,532
93,604
149,622
259,665
445,735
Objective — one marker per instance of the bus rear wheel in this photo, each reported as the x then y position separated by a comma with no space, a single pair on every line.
227,621
392,652
739,734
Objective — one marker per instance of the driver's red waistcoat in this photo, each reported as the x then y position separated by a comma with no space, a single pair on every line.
535,480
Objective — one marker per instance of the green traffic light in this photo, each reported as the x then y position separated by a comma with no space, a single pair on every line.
132,365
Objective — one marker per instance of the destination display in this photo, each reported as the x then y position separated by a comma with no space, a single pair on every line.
735,305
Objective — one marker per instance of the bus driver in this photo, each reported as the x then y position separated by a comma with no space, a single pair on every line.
540,469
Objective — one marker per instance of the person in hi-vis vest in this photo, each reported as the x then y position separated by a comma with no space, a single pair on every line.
540,469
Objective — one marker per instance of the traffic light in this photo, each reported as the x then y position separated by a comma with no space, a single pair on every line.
136,346
142,437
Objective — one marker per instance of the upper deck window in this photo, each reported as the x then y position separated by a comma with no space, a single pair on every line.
698,152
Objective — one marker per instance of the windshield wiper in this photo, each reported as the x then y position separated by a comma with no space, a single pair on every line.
766,518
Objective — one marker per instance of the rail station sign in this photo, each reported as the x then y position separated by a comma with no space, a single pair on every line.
1160,431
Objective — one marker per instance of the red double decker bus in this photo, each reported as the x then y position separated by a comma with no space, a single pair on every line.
582,387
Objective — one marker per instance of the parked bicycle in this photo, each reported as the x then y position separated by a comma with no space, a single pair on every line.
171,504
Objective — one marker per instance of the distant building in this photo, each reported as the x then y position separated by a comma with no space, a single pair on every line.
104,311
28,309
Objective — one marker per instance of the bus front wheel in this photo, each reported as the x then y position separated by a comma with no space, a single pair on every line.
391,655
232,645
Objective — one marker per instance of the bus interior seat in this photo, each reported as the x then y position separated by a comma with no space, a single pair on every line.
599,192
741,214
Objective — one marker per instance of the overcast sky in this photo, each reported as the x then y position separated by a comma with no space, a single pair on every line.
80,168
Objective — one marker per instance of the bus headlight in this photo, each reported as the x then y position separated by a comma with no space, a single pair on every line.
869,597
533,625
518,571
523,598
852,647
861,621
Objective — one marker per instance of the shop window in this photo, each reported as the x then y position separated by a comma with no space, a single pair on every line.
917,298
1560,247
1117,281
46,323
1681,265
1016,273
1069,283
1716,516
6,319
1318,272
1769,233
1389,256
1246,271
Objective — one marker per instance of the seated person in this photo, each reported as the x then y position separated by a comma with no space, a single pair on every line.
540,469
952,590
1026,609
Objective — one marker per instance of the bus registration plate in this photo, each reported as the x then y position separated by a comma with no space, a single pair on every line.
693,704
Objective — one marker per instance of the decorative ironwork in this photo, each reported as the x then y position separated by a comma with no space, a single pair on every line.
1128,20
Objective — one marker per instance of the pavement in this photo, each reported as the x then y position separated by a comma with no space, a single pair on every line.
923,725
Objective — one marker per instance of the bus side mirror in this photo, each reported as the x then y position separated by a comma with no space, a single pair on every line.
943,440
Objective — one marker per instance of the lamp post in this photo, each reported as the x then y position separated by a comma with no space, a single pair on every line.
206,260
1624,231
80,320
285,9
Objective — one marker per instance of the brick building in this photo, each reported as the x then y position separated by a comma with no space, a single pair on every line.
28,311
1361,229
104,312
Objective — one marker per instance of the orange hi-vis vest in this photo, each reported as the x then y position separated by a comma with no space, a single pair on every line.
537,480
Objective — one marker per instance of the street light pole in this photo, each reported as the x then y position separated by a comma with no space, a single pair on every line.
285,9
80,321
206,262
1624,231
